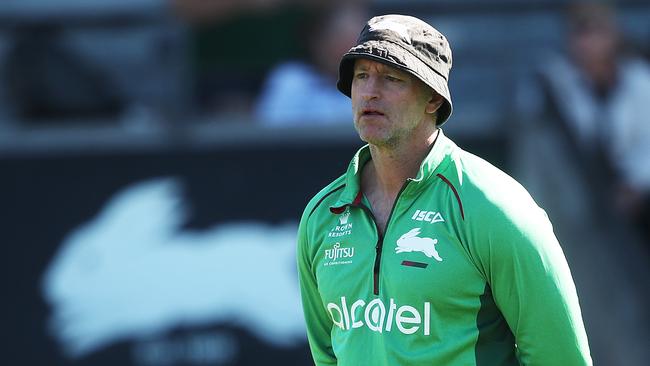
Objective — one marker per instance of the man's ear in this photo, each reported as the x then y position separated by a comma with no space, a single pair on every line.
434,103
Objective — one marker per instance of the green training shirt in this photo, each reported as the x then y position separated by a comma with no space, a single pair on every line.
468,272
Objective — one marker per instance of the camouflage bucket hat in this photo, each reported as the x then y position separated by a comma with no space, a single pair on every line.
408,44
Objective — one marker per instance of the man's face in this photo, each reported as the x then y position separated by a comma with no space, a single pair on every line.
595,49
390,106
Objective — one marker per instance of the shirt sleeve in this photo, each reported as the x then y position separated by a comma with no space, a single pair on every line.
531,284
319,325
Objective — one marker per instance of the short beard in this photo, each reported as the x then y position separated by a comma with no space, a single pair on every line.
391,143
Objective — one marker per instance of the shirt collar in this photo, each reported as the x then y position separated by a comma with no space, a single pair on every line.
435,161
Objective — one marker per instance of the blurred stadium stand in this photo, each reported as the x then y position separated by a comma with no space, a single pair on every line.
73,64
142,53
139,52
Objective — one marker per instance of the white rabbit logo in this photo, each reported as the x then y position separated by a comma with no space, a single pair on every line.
134,270
410,242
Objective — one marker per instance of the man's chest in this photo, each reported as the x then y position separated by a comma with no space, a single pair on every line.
381,208
418,259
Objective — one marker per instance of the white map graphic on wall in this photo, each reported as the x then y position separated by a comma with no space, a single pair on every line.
133,271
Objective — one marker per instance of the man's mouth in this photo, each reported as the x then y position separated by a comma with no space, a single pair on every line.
371,112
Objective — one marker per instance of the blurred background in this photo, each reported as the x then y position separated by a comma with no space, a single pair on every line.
156,155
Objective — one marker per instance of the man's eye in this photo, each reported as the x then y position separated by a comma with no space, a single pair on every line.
360,75
392,78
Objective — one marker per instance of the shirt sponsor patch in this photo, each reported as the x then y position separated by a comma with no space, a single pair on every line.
345,226
428,216
338,255
380,317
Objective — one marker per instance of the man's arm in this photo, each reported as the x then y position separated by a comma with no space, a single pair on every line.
532,285
319,325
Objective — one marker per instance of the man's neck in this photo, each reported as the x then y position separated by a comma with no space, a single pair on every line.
384,176
390,167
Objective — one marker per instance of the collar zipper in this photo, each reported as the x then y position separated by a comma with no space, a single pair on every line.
380,238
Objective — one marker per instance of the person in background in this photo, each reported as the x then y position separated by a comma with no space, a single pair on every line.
300,92
599,94
233,45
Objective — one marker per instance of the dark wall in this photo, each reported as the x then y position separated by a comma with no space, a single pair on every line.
44,199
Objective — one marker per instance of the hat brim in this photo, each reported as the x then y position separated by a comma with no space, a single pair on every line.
395,56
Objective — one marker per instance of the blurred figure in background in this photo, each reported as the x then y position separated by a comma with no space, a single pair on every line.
600,95
581,147
300,91
234,44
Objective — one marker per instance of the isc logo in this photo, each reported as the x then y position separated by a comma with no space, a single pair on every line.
428,216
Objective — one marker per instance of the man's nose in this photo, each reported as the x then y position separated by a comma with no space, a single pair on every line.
371,88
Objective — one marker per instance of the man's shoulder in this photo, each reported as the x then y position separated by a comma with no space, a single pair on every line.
494,204
325,196
485,187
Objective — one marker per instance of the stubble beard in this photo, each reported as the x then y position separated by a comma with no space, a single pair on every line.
382,139
386,138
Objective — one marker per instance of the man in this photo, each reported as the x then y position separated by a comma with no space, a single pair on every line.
421,253
597,93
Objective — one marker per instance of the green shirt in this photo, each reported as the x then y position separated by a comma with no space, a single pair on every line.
469,272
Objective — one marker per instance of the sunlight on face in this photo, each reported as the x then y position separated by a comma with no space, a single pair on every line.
389,105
